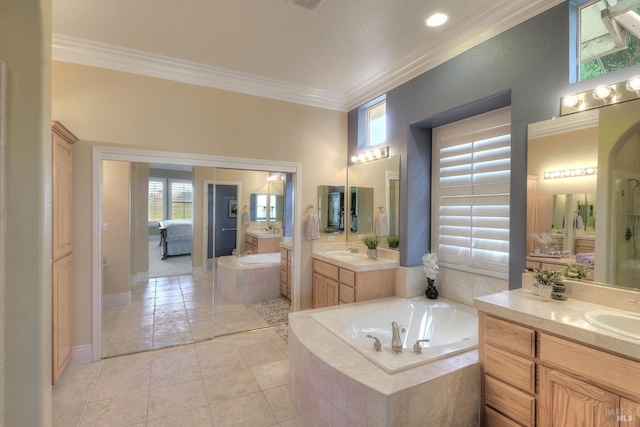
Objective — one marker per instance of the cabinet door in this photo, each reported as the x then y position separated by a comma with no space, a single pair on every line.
62,314
289,276
319,291
62,197
568,402
332,292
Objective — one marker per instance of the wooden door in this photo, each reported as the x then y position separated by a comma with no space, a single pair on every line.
62,314
62,197
629,415
567,402
332,295
319,291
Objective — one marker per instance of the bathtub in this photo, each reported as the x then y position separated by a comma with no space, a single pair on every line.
258,259
248,279
451,328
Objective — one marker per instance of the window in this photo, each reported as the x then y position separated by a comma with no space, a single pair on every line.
156,200
608,33
470,193
181,199
372,122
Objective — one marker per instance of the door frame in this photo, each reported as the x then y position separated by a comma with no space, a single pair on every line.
100,153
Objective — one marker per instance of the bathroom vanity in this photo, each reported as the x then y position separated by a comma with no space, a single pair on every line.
340,279
262,242
543,364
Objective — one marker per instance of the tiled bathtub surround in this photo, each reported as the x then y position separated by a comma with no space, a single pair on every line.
456,285
246,285
333,385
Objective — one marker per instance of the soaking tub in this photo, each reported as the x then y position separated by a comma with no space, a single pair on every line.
450,327
249,279
336,378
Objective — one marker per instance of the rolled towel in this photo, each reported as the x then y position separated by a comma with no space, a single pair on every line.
246,218
382,225
313,227
586,258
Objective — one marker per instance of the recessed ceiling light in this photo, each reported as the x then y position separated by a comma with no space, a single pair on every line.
436,19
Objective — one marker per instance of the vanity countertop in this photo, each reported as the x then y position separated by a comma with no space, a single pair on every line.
357,264
286,245
264,235
563,318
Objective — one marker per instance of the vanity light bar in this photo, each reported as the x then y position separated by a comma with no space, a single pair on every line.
571,173
600,96
367,156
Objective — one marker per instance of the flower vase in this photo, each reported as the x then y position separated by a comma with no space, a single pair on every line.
372,253
431,292
535,287
545,292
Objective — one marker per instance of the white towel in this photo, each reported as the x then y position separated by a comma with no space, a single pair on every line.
313,227
382,225
246,218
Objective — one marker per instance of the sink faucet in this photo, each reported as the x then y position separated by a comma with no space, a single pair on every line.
352,250
396,342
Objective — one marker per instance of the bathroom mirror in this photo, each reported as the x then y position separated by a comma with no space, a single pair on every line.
564,204
373,190
331,208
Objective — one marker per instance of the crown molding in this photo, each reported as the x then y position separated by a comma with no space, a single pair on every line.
569,123
494,20
86,52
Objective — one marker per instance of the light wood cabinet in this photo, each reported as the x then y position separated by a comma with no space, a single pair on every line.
286,272
62,248
325,291
263,245
354,286
575,385
584,246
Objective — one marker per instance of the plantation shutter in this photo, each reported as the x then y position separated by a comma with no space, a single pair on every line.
470,197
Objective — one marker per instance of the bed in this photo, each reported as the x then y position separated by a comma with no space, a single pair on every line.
175,237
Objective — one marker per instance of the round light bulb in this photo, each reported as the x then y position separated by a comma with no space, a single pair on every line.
602,92
633,84
571,100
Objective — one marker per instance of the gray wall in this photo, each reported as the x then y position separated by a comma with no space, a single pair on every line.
526,67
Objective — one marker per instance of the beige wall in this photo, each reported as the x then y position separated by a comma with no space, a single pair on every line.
116,214
25,213
108,107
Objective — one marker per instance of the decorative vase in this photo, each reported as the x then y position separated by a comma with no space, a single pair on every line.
545,292
431,292
559,292
372,253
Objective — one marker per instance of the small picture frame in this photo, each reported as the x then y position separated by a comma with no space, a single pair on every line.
233,208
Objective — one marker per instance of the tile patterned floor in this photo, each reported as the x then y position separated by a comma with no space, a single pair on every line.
174,310
235,380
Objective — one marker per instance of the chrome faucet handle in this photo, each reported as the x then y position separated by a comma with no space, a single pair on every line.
417,348
376,344
396,341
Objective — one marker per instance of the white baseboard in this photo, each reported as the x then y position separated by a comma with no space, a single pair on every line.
82,354
199,271
116,300
142,276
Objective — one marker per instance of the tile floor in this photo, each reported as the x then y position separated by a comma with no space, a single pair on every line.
168,311
235,380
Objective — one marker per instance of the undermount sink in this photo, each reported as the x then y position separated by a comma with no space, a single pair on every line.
344,254
624,324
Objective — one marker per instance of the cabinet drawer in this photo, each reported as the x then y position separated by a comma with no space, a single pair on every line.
511,369
496,419
283,264
600,366
283,254
514,403
325,269
510,336
347,293
283,276
532,265
348,277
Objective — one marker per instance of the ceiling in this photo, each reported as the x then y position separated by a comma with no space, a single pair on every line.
339,56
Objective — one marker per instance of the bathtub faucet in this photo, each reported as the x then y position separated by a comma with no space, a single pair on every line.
396,342
417,347
245,253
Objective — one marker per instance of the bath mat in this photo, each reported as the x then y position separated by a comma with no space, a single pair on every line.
284,334
274,310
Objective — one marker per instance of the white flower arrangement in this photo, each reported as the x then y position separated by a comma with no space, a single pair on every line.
430,262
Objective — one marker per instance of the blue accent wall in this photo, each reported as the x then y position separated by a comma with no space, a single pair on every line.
526,67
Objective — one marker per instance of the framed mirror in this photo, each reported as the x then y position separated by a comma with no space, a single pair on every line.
373,201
